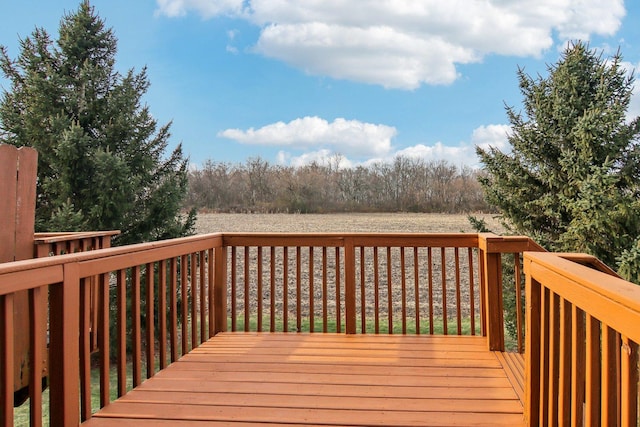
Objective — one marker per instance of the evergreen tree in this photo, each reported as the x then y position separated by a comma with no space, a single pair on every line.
101,153
572,178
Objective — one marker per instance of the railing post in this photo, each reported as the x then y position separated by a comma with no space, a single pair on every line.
494,307
350,286
220,290
532,349
64,348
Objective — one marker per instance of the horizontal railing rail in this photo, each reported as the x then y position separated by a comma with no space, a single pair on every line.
582,343
157,301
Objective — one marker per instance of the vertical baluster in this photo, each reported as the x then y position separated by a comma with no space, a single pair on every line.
35,357
150,323
592,371
311,293
338,290
565,358
416,287
443,269
577,365
6,360
247,294
103,338
609,398
629,383
389,291
517,279
233,288
211,297
472,298
193,286
376,290
203,297
298,291
259,289
403,283
162,312
430,290
285,290
324,289
85,349
363,299
173,301
184,279
554,358
272,295
135,325
545,330
121,301
458,305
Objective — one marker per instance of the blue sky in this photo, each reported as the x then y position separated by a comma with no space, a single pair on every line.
294,81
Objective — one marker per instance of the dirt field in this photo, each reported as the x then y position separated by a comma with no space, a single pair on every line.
383,222
456,286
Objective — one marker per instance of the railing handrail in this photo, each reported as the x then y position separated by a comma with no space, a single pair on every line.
65,236
612,300
16,267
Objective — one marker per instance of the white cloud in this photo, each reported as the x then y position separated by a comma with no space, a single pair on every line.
634,105
406,43
349,137
491,136
462,154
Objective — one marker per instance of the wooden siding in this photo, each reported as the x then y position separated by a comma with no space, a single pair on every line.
325,379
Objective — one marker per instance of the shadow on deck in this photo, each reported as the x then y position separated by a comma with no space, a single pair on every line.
326,379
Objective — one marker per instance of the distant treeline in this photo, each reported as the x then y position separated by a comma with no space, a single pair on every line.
402,185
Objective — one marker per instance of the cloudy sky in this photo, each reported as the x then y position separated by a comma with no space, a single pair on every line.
294,81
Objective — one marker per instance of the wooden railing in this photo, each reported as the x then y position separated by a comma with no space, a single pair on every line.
167,297
583,330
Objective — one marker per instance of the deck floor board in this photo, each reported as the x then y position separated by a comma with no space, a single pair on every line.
243,379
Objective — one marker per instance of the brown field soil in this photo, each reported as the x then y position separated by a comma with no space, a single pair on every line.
347,222
455,286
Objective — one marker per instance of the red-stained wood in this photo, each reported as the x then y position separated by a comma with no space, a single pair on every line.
493,300
325,295
85,349
285,290
430,291
472,297
416,288
6,359
592,372
234,292
202,274
517,280
247,296
533,349
338,289
36,356
629,383
162,313
184,303
403,287
64,351
363,292
298,289
259,288
376,284
443,283
150,340
578,366
224,382
210,288
103,338
350,287
173,302
311,292
136,326
389,291
121,308
193,287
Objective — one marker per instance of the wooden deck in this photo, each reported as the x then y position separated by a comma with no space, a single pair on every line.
326,379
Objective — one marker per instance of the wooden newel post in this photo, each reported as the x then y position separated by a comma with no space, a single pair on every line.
18,172
492,282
